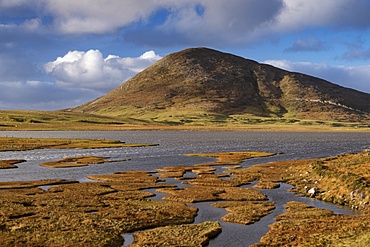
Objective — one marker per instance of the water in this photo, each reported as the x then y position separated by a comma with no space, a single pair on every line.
170,152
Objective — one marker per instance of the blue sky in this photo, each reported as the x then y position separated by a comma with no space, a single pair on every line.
57,54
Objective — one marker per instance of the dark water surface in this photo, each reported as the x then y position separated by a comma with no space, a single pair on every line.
172,147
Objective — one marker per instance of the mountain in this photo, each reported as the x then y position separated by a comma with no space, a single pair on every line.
202,81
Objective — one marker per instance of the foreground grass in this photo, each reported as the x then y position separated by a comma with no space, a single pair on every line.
83,214
181,235
342,179
97,213
303,225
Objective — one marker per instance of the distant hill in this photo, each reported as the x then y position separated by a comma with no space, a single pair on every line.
204,83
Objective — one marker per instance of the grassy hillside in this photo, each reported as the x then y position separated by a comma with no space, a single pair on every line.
132,118
205,80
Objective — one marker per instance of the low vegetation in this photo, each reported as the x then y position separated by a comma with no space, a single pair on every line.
79,161
72,213
18,144
342,179
131,118
82,214
303,225
181,235
245,212
9,164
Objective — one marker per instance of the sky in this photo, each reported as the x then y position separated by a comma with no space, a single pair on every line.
57,54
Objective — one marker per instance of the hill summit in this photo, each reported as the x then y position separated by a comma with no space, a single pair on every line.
212,82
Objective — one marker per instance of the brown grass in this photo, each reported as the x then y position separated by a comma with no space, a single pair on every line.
180,235
245,212
303,225
78,161
15,144
231,158
96,213
81,214
33,184
212,193
343,179
8,164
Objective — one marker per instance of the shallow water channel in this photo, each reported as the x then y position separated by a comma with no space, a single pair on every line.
172,147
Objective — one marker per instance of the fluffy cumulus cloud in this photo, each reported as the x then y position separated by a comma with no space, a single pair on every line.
73,79
356,77
90,70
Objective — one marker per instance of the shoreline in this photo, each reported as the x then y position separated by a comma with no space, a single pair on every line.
250,128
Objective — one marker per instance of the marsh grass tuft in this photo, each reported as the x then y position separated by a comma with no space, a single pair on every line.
303,225
79,161
9,164
245,212
18,144
180,235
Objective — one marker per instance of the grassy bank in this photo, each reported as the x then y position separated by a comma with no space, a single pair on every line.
133,119
19,144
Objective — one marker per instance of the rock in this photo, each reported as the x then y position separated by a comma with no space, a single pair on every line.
312,192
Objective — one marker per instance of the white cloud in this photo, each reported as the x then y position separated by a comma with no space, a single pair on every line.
194,21
95,16
298,14
355,77
204,20
89,70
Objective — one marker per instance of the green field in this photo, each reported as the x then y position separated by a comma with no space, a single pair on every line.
139,118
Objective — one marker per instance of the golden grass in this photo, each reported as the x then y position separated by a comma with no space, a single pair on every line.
230,158
210,180
343,179
130,118
266,185
303,225
15,144
245,212
8,164
180,235
33,183
173,171
96,213
212,193
78,161
81,214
